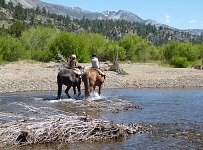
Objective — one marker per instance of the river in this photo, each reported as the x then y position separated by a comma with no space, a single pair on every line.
175,116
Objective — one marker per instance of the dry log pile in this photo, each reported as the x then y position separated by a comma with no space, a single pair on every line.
36,126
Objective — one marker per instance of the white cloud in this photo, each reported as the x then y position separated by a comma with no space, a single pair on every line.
167,18
193,21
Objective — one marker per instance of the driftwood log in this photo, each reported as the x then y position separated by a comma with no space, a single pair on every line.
48,125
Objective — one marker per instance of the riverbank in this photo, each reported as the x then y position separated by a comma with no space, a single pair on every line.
25,77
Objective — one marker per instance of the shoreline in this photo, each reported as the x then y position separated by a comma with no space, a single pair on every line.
82,90
26,77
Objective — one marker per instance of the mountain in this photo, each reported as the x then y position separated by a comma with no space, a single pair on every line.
194,31
27,3
73,12
76,12
122,15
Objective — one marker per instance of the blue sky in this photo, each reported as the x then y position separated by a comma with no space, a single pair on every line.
181,14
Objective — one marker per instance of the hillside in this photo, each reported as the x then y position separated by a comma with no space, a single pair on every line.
111,24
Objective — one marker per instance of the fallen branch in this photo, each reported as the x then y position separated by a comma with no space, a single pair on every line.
58,126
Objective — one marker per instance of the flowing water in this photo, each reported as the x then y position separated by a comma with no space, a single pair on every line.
175,118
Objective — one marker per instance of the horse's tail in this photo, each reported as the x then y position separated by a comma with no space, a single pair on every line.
85,78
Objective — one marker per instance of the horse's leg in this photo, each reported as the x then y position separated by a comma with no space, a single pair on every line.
66,91
60,83
99,90
94,89
91,89
74,89
59,91
79,90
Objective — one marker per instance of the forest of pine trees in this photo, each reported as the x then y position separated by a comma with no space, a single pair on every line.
37,34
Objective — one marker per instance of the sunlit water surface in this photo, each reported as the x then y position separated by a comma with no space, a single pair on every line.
179,112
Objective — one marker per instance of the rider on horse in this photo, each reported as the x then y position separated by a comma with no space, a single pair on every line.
73,65
95,64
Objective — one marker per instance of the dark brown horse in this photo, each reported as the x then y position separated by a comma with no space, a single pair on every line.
92,78
70,79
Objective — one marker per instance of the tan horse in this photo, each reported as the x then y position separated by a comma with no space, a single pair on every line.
92,78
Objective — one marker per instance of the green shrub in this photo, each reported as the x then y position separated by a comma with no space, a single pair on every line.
113,68
179,62
118,70
1,59
11,49
36,41
43,56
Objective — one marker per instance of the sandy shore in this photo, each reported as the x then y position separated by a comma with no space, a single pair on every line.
23,77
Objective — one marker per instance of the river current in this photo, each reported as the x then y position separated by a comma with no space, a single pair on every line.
175,115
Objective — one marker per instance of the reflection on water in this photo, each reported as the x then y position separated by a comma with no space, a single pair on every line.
174,116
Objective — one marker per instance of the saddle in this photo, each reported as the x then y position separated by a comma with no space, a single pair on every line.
77,71
100,72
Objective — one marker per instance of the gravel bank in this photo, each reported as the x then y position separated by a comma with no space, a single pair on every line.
23,77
